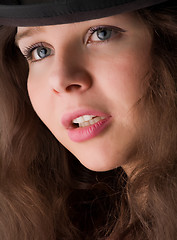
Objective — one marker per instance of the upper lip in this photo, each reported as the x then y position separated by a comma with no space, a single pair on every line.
67,118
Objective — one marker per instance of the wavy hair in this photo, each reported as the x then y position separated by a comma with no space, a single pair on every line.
45,193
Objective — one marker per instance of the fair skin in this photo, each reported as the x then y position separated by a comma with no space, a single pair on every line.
83,73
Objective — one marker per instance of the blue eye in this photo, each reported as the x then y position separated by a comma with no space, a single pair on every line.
41,52
37,52
103,33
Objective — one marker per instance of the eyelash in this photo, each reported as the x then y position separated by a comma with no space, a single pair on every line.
28,50
27,53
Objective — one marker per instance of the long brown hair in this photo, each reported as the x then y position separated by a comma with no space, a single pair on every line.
45,193
151,190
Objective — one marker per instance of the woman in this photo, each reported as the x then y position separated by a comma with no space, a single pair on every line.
88,120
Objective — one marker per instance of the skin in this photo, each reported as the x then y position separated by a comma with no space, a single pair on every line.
92,74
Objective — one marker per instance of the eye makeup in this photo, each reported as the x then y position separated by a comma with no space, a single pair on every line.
95,35
113,30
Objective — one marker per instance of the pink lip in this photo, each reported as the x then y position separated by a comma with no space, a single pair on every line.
84,133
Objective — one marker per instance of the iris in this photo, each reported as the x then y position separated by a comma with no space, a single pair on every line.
104,34
43,52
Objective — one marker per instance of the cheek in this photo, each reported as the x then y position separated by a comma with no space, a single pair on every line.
45,105
121,71
40,96
34,91
131,72
122,79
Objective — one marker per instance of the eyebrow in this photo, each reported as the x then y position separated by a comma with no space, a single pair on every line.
28,33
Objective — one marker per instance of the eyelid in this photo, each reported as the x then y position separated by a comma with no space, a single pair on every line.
27,51
93,29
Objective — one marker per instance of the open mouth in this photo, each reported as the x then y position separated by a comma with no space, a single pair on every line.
85,124
86,120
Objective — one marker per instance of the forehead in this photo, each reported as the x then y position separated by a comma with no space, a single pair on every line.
28,31
126,20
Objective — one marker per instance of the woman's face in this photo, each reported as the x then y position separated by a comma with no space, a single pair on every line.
84,81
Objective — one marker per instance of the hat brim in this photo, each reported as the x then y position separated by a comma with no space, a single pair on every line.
67,11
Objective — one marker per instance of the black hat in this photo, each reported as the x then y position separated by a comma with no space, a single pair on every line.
50,12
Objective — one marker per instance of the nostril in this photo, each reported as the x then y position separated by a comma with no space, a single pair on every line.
69,82
73,87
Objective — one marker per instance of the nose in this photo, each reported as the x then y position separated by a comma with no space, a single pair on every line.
68,73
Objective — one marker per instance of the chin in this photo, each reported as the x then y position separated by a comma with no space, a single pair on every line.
99,163
105,159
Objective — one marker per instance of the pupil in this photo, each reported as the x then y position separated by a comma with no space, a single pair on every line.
104,34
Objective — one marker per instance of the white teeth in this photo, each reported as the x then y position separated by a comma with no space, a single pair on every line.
88,117
83,118
87,120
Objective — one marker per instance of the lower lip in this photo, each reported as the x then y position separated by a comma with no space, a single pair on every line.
81,134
